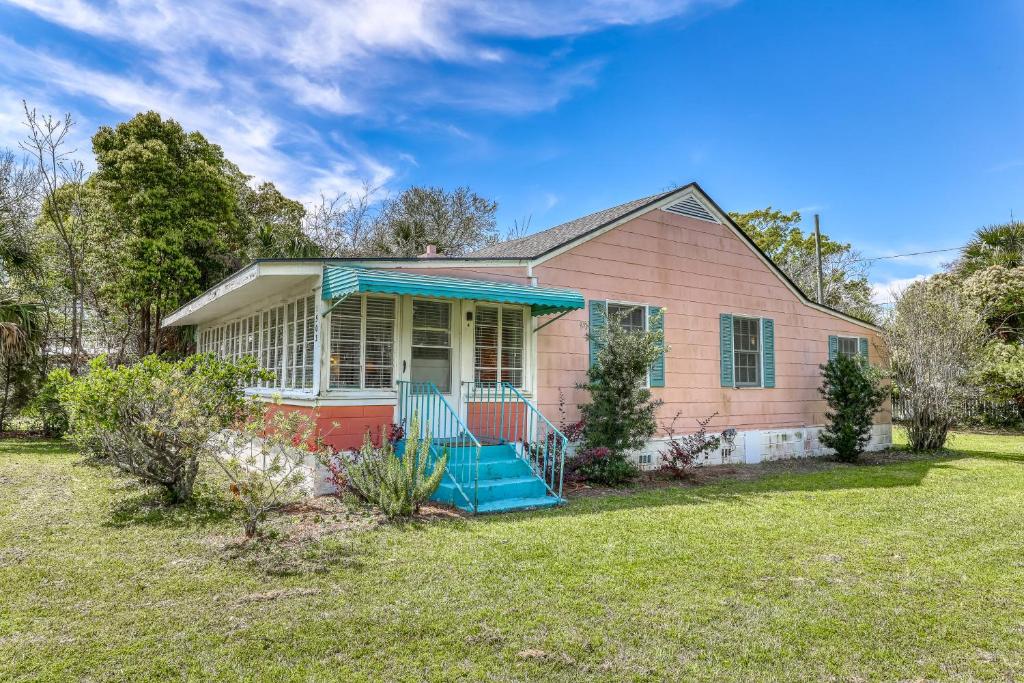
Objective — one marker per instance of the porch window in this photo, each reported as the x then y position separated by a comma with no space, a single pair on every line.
499,342
747,351
301,329
432,343
362,343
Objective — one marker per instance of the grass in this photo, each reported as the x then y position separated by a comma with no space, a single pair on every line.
907,570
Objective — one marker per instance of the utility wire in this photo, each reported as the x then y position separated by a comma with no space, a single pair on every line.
913,253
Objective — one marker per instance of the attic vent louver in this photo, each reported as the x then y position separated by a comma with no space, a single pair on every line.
692,208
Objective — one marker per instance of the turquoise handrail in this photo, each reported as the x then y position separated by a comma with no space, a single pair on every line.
499,412
446,430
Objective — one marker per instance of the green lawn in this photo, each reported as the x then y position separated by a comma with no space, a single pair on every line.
908,570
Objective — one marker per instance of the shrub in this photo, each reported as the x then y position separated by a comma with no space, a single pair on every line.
854,393
601,466
47,405
621,412
935,339
156,419
681,454
398,485
265,462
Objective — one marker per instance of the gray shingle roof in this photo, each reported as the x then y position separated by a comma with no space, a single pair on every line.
542,242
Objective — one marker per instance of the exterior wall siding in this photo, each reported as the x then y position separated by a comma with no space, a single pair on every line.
696,270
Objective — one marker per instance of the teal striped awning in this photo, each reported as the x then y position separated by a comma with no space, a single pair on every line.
340,281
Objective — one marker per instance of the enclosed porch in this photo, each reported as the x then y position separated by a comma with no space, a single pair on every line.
363,348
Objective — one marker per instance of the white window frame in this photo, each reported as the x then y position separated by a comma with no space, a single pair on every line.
454,350
227,339
839,345
527,331
395,342
759,352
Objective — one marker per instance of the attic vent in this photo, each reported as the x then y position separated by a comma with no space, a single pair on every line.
692,208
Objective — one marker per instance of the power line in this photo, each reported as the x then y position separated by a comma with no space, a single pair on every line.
913,253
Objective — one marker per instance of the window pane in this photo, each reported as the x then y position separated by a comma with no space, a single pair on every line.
486,338
380,342
630,317
747,357
346,363
849,346
431,343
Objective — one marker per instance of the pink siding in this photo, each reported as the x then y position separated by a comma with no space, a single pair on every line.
696,270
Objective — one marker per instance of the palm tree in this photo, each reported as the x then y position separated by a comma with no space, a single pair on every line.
20,339
995,245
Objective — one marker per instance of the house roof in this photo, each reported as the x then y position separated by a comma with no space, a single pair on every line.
542,242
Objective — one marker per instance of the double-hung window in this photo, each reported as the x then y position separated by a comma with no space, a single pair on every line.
631,317
363,343
747,351
849,346
499,344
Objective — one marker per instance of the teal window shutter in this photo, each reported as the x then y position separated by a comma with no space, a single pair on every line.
863,344
598,318
725,329
656,322
833,347
768,341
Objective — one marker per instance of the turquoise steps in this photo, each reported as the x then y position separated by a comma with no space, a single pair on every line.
510,504
506,482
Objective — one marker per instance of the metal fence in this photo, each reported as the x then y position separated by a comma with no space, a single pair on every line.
974,411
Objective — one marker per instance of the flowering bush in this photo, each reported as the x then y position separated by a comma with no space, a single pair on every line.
600,466
681,454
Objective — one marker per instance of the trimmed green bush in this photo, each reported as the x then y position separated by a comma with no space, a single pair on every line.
854,393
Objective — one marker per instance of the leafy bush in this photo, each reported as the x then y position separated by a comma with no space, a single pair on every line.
265,463
621,412
600,466
47,405
156,419
854,393
935,339
398,485
681,453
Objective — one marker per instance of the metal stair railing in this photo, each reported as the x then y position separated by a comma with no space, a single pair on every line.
446,430
499,412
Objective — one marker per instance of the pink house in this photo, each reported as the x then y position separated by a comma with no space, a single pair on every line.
486,346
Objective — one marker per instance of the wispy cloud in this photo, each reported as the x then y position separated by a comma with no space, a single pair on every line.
886,292
243,72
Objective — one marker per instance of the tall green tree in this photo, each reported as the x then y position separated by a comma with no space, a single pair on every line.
455,222
271,224
844,275
173,200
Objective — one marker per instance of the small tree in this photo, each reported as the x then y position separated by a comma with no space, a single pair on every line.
398,485
935,340
621,415
854,393
265,463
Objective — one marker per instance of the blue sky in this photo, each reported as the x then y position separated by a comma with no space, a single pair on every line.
899,122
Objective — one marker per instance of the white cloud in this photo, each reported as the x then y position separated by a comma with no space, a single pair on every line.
887,291
237,70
